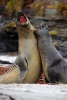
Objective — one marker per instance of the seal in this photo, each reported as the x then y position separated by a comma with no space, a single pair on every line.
55,69
13,73
27,51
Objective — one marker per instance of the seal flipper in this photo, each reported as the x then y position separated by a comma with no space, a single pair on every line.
22,63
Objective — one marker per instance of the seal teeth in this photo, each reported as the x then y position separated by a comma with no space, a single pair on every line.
11,76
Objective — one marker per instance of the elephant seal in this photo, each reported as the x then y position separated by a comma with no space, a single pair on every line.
28,51
56,66
13,73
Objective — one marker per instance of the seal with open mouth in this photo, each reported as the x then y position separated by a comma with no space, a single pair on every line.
55,69
27,51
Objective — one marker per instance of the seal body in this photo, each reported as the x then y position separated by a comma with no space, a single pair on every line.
28,51
55,69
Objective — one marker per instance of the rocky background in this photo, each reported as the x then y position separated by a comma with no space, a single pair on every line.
53,12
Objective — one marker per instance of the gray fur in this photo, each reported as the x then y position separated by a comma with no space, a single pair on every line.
56,65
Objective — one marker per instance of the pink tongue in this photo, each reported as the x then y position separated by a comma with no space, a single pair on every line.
22,19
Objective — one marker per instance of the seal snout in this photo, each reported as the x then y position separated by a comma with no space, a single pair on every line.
21,14
44,25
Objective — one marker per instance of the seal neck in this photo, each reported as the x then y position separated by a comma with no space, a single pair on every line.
50,52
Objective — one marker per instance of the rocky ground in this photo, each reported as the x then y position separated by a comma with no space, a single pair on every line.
33,92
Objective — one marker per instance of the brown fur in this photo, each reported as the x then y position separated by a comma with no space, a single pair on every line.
28,53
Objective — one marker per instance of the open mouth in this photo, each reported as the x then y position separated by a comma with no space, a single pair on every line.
22,18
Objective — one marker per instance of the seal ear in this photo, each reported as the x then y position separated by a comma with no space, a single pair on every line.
36,33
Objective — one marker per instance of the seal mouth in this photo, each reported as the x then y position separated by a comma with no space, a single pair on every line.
22,19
